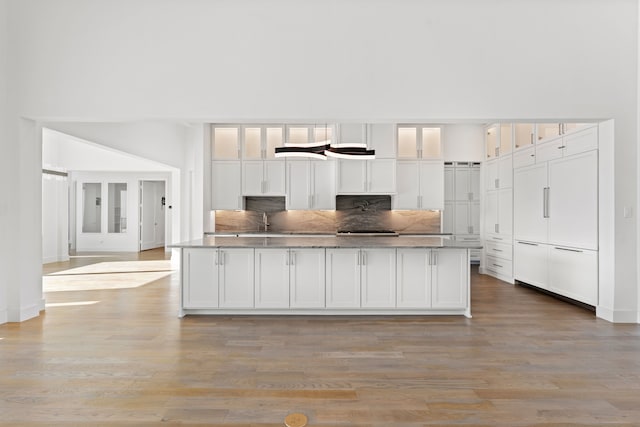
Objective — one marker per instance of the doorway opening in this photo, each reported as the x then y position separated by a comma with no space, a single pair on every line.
153,210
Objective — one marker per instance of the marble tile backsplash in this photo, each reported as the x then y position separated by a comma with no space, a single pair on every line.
350,214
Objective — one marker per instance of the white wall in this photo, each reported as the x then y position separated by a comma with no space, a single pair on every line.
5,160
55,218
66,152
362,60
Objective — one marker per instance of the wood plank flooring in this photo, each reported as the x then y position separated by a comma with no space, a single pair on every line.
122,357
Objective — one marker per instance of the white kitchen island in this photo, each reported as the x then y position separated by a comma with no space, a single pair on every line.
325,276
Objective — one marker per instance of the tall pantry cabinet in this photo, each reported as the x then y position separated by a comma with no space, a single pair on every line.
556,216
497,173
461,214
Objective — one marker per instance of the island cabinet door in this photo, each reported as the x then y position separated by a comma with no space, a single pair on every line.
449,278
236,277
378,270
413,278
306,278
343,278
199,278
272,278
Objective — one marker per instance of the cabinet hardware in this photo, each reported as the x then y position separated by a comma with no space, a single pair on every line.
497,151
495,182
221,259
559,128
216,260
568,250
287,258
293,258
531,138
435,258
528,244
364,258
358,260
496,228
561,147
545,202
497,238
497,250
497,265
532,155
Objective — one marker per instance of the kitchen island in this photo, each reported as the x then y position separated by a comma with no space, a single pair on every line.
325,275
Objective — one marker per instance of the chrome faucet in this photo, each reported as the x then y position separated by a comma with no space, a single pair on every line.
264,221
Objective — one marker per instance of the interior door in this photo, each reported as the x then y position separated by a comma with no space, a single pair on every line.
152,212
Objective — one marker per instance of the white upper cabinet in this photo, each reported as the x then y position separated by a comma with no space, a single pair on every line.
449,182
506,139
499,173
225,142
351,133
523,135
524,157
432,185
579,141
260,178
498,212
306,133
498,140
419,142
376,176
547,131
226,189
311,184
420,185
382,138
491,141
259,142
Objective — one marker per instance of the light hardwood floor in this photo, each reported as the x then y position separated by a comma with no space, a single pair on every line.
122,357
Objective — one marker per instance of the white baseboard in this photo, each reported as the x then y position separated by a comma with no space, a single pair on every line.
617,316
23,313
51,259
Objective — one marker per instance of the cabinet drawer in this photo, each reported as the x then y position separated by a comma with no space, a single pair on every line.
499,266
524,157
499,250
549,150
581,141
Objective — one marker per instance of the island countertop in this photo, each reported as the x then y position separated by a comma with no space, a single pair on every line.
327,242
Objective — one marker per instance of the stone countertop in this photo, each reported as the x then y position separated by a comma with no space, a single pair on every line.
326,242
